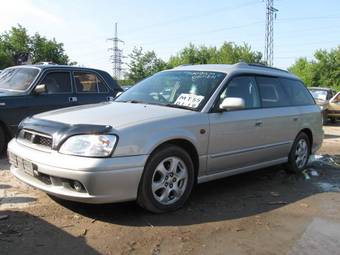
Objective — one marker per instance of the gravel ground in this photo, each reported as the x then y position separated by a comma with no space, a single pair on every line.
263,212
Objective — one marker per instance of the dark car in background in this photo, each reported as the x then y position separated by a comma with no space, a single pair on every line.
322,96
31,89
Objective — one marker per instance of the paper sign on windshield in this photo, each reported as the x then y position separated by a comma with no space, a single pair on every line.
189,100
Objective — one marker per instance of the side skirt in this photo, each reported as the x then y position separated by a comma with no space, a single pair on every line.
210,177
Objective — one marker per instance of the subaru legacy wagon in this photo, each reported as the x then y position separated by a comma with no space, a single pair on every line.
179,127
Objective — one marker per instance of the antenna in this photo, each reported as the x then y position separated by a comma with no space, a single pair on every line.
117,55
271,13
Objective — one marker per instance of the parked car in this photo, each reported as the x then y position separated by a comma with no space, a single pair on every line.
27,90
219,120
322,97
334,108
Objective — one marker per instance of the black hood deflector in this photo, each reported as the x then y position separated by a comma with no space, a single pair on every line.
61,131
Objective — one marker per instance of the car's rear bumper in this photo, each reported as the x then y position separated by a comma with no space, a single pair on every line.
105,180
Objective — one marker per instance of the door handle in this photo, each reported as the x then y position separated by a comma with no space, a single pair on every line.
295,119
258,123
72,99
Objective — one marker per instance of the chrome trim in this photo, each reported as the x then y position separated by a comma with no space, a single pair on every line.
30,144
261,147
36,133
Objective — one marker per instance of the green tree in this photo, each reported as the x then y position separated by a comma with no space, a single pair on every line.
48,50
16,46
323,71
143,64
304,69
228,53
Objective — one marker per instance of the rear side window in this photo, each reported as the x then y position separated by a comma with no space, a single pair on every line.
89,83
297,92
57,83
272,93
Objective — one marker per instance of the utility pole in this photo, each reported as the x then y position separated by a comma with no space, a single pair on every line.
269,37
117,54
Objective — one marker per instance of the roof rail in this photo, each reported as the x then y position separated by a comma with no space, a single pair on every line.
242,63
270,67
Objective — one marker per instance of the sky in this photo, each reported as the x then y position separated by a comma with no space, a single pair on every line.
301,27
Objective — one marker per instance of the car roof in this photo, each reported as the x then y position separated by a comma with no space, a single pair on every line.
238,67
55,66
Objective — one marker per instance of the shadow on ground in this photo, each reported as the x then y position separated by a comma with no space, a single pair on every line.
230,198
19,236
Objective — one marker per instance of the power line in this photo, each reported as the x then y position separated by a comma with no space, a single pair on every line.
196,16
269,37
117,54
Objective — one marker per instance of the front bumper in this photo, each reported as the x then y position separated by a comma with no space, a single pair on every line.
333,113
105,180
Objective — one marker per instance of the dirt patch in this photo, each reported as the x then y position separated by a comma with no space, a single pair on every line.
263,212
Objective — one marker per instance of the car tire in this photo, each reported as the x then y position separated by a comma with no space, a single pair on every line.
299,154
167,180
333,119
3,141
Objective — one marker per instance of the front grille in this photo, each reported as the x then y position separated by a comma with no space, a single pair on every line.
43,141
334,111
34,138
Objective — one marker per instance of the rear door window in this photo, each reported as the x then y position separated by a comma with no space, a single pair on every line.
89,83
272,93
297,92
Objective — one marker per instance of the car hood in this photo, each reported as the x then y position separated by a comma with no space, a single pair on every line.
115,114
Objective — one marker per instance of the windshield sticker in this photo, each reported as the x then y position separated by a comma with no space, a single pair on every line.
189,100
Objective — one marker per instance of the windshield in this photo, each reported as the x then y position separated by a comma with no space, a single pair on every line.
319,94
17,79
182,89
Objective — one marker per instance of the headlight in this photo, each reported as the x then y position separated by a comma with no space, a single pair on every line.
89,145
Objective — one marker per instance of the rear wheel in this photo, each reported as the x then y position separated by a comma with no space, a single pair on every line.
167,180
299,154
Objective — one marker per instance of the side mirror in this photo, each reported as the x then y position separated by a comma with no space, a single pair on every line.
232,103
39,89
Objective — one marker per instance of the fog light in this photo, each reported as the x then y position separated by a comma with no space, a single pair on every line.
77,186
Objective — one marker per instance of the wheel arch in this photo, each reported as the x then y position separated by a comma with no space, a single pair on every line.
7,132
185,144
309,133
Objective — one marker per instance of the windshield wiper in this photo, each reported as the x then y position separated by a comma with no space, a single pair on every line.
133,102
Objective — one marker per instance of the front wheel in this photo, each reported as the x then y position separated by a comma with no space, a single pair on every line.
2,141
299,154
167,180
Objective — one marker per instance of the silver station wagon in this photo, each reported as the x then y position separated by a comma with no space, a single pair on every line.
179,127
